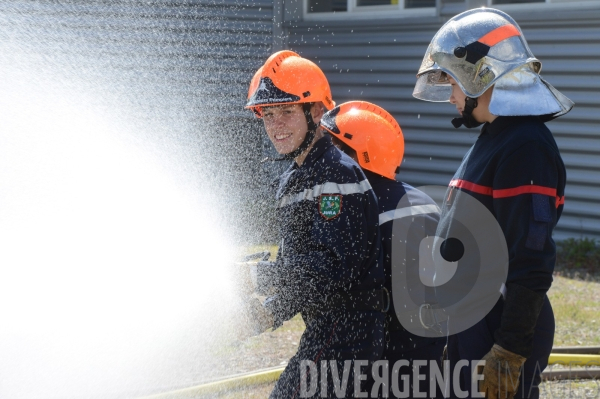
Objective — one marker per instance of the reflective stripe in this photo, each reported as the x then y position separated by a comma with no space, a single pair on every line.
408,211
326,188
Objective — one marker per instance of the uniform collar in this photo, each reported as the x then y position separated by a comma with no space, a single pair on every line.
317,150
376,179
501,123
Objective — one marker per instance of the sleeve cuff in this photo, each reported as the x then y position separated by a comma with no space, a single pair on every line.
522,308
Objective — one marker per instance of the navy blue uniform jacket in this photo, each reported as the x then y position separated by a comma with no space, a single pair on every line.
421,218
321,254
515,170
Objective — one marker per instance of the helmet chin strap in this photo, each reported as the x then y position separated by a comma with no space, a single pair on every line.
467,118
310,135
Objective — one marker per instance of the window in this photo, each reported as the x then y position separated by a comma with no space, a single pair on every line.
327,5
365,9
516,1
316,6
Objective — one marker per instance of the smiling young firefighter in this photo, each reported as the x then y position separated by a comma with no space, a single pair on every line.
479,61
328,266
372,137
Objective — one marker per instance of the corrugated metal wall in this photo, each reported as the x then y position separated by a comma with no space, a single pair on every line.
185,49
376,60
179,66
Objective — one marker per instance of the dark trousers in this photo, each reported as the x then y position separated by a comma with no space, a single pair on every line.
343,337
402,345
476,342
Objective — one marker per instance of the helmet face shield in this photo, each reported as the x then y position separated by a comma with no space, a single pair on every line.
433,86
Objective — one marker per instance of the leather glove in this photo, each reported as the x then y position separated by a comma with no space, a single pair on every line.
501,373
262,318
257,319
245,277
266,277
522,308
256,277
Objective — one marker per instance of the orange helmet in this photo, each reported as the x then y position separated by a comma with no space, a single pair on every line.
287,78
370,131
253,86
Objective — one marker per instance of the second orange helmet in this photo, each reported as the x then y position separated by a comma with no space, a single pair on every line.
370,131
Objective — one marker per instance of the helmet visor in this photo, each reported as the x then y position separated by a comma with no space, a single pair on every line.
433,86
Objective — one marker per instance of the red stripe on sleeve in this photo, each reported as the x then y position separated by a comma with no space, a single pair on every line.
528,189
467,185
508,192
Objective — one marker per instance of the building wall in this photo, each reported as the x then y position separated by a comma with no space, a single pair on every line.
376,60
180,68
193,50
197,57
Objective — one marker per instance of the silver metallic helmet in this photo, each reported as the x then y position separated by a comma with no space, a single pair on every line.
483,47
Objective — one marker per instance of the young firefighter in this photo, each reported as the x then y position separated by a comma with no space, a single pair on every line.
328,266
480,62
372,137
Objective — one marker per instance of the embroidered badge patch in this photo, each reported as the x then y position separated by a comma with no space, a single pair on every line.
330,205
